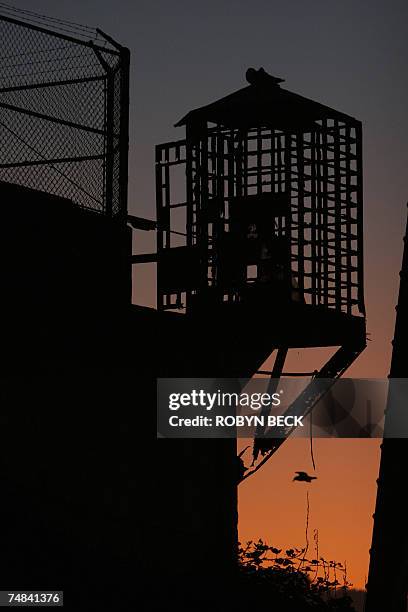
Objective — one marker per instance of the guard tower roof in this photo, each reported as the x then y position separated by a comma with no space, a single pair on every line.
263,103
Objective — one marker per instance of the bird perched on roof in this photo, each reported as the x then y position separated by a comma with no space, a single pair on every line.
261,77
304,477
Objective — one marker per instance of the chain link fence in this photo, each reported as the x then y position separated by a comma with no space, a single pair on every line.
64,98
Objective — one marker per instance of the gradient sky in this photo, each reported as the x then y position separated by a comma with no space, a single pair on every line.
349,54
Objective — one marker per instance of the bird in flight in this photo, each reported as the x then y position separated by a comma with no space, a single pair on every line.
304,477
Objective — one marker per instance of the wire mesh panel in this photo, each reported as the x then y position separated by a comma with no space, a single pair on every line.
262,207
64,110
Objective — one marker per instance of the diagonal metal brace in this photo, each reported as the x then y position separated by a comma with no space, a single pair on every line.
322,382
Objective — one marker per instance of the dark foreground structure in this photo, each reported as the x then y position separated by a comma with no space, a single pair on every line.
80,509
387,586
261,252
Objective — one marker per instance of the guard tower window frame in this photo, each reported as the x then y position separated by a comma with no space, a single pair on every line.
315,164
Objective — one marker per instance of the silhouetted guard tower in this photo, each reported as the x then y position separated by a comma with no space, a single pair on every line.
260,222
259,216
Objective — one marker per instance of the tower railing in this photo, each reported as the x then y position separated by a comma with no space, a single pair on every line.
315,174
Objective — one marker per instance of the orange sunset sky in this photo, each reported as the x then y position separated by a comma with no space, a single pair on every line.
342,499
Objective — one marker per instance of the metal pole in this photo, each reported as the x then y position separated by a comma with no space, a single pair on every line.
124,131
110,84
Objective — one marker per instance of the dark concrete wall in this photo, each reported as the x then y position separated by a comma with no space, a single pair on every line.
92,503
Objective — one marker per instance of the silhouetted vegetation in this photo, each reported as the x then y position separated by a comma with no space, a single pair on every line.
286,580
